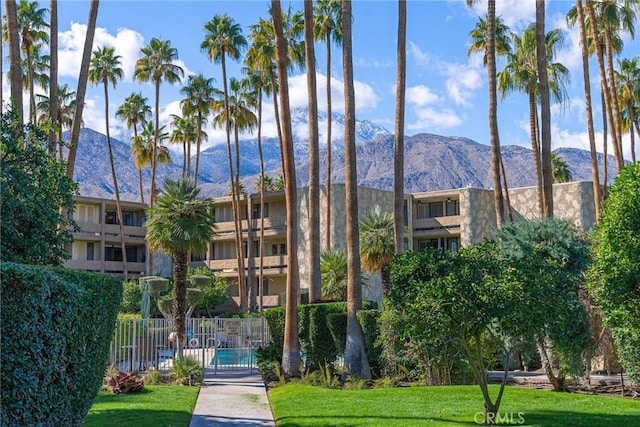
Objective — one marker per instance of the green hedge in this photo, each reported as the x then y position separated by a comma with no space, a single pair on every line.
371,330
318,341
56,328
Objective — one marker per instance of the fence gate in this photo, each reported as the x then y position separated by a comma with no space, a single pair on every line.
219,343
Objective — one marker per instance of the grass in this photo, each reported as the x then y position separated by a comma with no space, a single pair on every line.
159,405
302,405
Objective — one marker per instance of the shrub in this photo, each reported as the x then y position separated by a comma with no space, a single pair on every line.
131,297
153,377
371,330
186,370
57,325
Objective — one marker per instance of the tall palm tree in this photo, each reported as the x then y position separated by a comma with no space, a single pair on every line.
66,100
156,65
545,108
223,38
82,87
584,48
198,93
560,169
315,284
333,267
180,222
521,73
291,344
15,69
33,32
184,132
377,245
105,68
328,27
398,159
355,356
53,71
628,81
134,110
143,144
494,135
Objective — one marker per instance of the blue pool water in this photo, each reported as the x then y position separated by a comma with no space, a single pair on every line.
235,356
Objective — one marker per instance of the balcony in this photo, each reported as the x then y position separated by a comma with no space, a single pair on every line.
109,266
436,226
272,265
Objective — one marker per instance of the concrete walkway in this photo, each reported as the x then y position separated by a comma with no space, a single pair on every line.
232,398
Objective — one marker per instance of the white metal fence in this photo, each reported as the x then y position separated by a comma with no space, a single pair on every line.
219,343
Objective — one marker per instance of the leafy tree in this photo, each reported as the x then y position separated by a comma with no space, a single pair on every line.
180,222
34,188
560,169
333,269
543,268
214,293
377,245
613,276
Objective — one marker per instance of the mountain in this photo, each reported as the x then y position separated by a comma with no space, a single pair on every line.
432,162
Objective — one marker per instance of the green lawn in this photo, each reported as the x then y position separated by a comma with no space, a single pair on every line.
300,405
160,405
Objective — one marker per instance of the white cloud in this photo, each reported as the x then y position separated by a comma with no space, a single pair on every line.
420,57
514,13
421,95
373,63
431,120
462,82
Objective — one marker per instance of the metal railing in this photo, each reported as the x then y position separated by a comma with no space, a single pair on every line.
219,343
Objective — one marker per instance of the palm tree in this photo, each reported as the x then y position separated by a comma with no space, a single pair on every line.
32,27
398,159
315,284
494,135
328,27
143,144
135,110
156,65
66,100
377,245
545,108
35,72
15,70
198,93
185,133
223,37
584,48
333,267
560,169
355,356
180,222
82,87
53,72
291,345
521,73
628,81
105,68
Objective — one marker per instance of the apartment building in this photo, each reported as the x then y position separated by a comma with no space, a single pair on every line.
438,219
96,246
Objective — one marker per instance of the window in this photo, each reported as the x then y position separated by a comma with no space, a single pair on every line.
283,249
110,217
453,243
428,243
452,207
435,209
112,253
274,249
256,248
90,249
255,211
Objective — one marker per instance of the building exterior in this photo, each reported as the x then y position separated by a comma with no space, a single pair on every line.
96,246
439,219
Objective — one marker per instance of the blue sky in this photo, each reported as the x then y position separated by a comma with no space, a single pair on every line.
446,90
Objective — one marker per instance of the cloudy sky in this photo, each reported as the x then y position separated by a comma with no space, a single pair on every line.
446,90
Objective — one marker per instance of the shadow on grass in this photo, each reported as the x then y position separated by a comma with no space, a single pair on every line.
138,418
538,418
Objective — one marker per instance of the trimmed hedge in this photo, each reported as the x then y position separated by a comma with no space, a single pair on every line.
321,333
368,320
57,325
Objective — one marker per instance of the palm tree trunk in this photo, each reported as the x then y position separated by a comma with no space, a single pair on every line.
632,120
32,96
636,123
505,189
595,176
53,73
15,67
274,91
247,278
398,160
180,264
198,147
140,187
605,146
115,182
605,86
291,345
355,356
262,183
493,112
315,285
535,150
327,244
82,87
545,109
154,162
613,93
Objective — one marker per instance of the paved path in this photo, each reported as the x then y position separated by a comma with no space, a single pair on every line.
232,398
